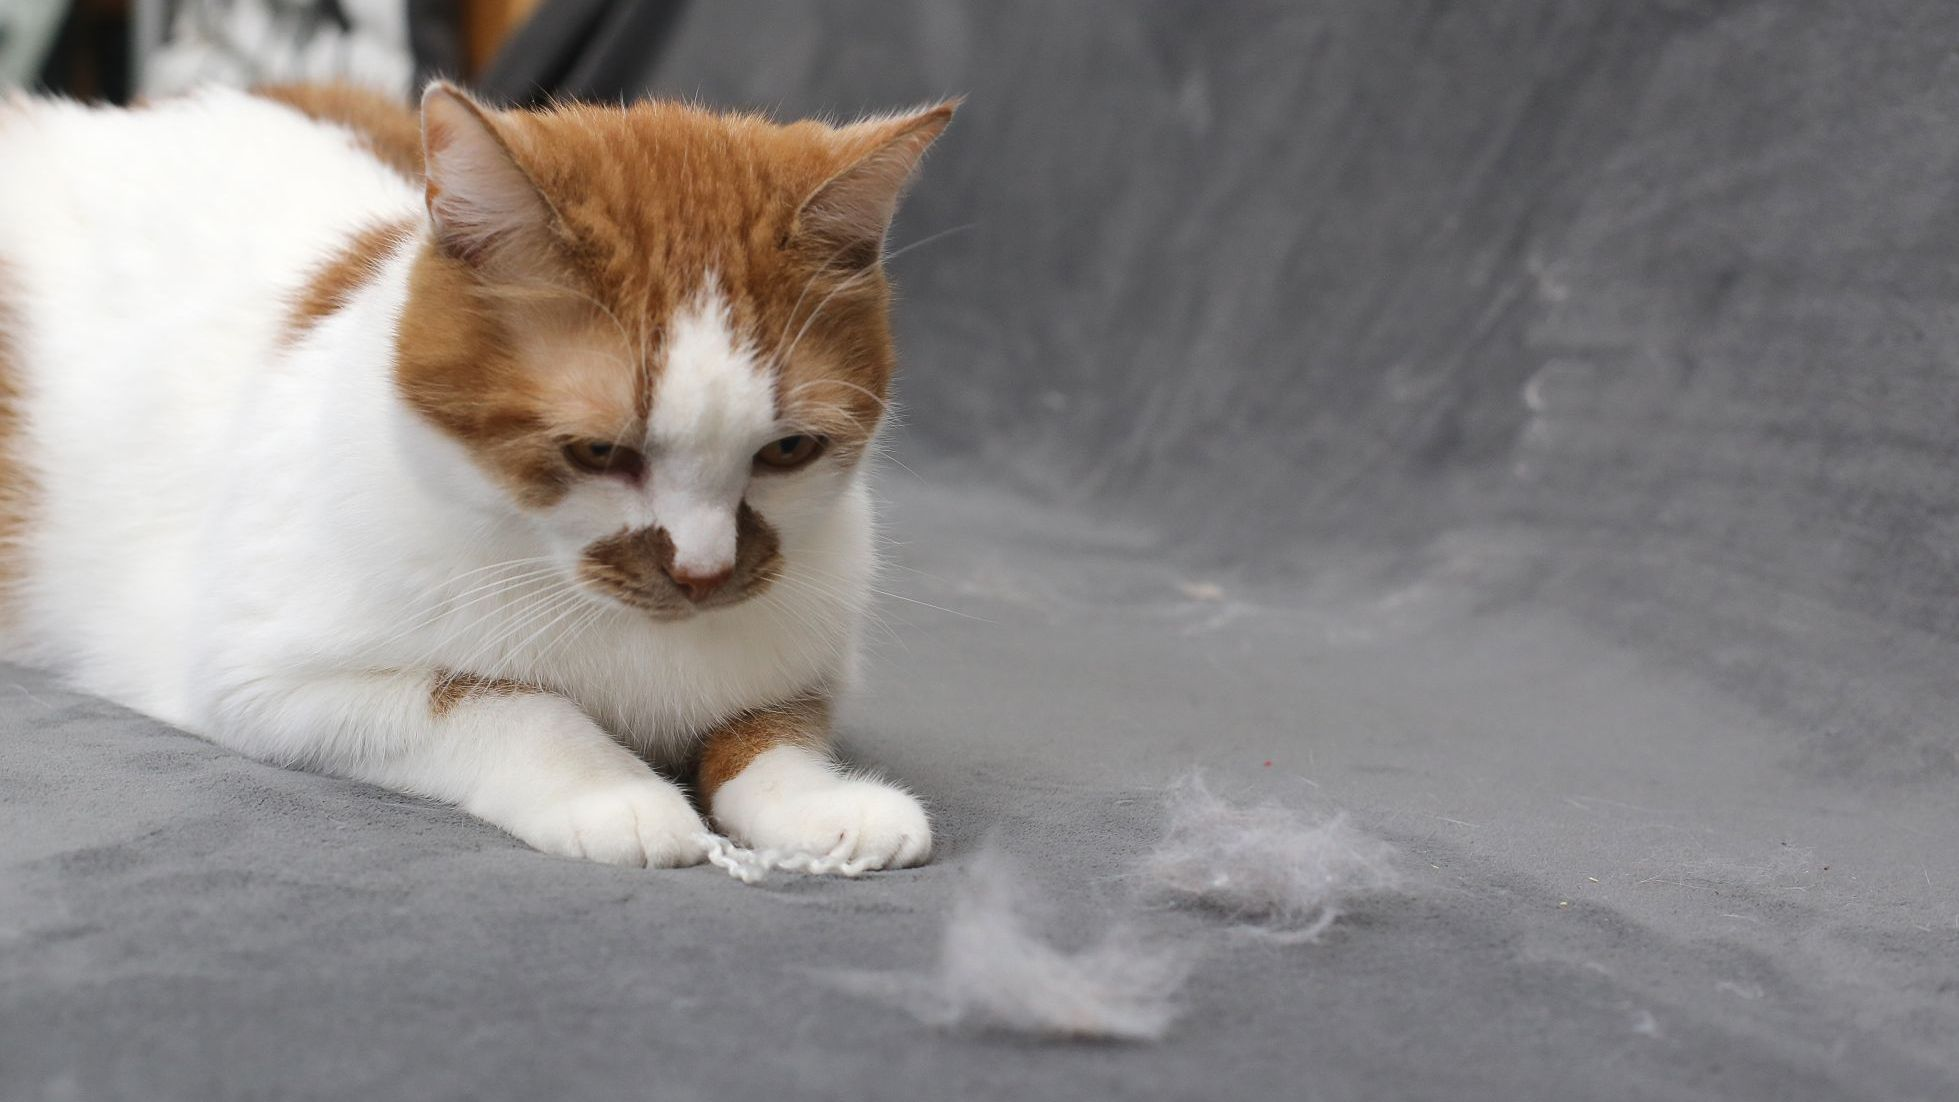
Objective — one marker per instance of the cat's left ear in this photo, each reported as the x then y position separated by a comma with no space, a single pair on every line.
852,210
484,207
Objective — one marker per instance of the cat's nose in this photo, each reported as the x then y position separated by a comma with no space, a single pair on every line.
699,587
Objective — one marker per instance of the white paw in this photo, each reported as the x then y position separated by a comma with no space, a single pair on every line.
868,823
646,823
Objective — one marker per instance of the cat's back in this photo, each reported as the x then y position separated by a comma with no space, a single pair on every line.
151,260
208,198
160,249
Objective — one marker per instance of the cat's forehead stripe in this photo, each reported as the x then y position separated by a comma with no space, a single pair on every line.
711,388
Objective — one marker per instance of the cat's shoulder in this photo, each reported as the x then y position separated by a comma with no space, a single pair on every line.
385,125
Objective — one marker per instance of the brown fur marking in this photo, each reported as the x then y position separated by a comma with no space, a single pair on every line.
388,128
451,689
632,567
335,282
732,746
16,488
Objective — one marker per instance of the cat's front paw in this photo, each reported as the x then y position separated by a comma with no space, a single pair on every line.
870,823
645,823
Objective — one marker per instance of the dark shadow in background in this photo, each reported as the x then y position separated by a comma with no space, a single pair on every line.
596,50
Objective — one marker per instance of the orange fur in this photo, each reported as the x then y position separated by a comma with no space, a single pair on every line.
451,688
645,203
457,365
336,281
386,126
15,486
731,747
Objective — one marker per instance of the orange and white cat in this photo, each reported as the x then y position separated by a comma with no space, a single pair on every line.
486,456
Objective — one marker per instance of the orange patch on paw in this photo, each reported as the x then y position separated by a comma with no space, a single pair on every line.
731,747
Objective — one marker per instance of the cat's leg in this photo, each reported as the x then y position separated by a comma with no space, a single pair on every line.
773,784
523,759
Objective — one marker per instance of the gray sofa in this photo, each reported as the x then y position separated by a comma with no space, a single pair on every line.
1528,426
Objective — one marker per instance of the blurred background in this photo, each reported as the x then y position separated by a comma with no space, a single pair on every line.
1529,424
116,50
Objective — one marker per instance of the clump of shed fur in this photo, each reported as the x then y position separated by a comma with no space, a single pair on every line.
997,972
1265,864
1269,866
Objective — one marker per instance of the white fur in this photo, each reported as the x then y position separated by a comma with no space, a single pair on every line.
264,545
792,798
712,409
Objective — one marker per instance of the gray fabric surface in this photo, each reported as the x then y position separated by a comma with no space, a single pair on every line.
1530,423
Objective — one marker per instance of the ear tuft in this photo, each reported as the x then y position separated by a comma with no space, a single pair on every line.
851,212
484,207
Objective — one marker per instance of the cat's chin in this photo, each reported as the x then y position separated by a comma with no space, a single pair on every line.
668,615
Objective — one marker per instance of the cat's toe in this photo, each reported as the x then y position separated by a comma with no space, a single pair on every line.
646,824
868,823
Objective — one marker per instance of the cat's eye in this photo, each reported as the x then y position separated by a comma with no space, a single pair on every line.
603,457
790,452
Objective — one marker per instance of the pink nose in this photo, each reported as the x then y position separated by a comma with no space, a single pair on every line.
699,587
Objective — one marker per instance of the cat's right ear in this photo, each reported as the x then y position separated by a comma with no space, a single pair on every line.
484,207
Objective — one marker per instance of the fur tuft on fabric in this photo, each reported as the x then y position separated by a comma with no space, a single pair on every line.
996,972
1267,864
1282,872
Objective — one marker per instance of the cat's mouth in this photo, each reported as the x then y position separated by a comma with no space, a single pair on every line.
669,604
635,568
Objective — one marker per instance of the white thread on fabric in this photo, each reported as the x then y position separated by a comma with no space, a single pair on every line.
752,866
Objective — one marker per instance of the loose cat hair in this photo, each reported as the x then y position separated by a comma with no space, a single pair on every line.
485,455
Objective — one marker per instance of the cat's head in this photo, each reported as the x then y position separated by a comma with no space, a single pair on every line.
657,333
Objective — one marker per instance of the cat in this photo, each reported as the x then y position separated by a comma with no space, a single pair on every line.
483,455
